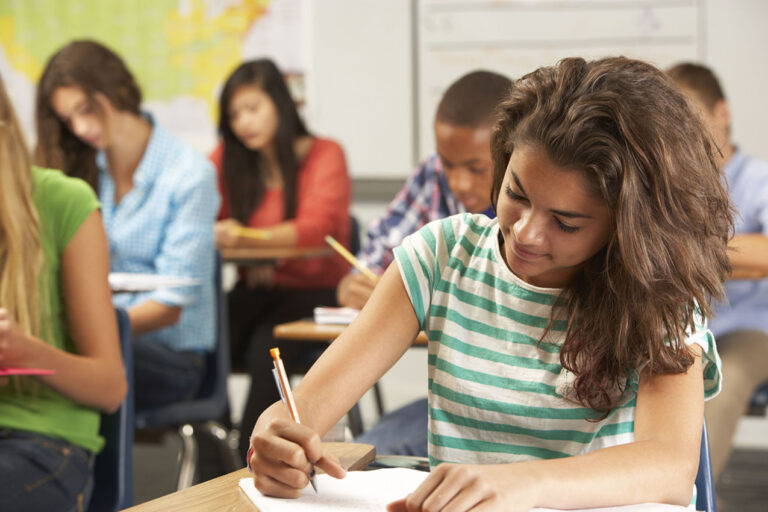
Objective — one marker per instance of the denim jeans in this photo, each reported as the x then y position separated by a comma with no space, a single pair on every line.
163,376
400,432
41,473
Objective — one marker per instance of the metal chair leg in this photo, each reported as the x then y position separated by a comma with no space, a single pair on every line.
188,457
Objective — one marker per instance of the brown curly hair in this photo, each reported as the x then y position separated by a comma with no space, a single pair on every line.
626,126
95,69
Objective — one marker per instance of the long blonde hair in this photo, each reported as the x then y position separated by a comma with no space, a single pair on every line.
21,252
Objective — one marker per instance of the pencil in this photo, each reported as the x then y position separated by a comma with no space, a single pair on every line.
284,387
351,258
258,234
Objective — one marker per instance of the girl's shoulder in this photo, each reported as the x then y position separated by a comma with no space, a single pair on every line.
54,188
62,203
465,232
319,147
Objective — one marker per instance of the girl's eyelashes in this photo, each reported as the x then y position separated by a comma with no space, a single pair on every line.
515,197
560,224
565,227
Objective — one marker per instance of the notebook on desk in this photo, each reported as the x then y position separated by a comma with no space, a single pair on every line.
373,490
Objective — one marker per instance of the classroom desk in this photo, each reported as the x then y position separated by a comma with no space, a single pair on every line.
223,493
244,256
307,330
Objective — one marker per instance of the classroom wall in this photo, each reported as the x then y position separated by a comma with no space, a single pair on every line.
372,77
364,79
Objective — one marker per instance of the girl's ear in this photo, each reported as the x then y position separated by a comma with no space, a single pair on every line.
722,113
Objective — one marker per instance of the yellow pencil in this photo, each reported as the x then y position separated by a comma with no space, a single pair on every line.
351,258
258,234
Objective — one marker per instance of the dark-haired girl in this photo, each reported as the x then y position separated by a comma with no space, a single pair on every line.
275,175
569,357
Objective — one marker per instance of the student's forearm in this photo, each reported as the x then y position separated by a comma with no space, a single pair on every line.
749,251
646,471
150,316
86,380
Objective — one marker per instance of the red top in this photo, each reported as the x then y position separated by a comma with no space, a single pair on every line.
322,209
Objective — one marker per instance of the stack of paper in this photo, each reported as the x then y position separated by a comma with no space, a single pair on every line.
343,316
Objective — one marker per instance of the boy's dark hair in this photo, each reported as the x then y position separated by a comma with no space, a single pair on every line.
95,69
631,133
699,79
472,99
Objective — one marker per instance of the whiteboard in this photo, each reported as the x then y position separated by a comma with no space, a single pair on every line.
360,83
514,37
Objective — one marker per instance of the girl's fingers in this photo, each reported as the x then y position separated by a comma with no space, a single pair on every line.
331,465
397,506
415,500
277,449
271,487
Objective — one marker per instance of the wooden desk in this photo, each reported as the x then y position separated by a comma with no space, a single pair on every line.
245,256
307,330
223,493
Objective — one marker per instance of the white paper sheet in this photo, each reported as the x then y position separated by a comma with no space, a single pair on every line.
358,491
372,490
128,282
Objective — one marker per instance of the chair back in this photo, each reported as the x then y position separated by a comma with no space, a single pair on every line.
705,482
354,235
211,401
113,467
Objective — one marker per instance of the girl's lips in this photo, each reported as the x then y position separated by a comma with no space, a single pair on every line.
523,254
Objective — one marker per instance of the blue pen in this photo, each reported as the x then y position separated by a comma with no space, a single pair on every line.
281,379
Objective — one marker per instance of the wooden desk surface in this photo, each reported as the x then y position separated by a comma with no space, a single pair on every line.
255,255
223,493
307,330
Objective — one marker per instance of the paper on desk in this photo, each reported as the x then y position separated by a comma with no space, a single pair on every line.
128,282
359,491
373,490
343,316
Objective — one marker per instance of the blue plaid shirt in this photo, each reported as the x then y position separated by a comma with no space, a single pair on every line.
425,197
164,225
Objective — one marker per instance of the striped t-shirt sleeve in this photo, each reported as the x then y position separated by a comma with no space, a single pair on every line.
419,261
710,359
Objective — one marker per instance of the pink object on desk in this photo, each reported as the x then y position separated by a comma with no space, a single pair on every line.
10,370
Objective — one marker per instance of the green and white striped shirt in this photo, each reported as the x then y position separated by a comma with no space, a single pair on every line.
495,393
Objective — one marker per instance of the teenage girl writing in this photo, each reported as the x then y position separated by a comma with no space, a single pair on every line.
568,356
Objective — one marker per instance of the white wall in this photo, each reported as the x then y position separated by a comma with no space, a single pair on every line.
737,50
363,82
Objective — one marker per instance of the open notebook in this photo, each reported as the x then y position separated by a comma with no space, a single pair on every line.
373,490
